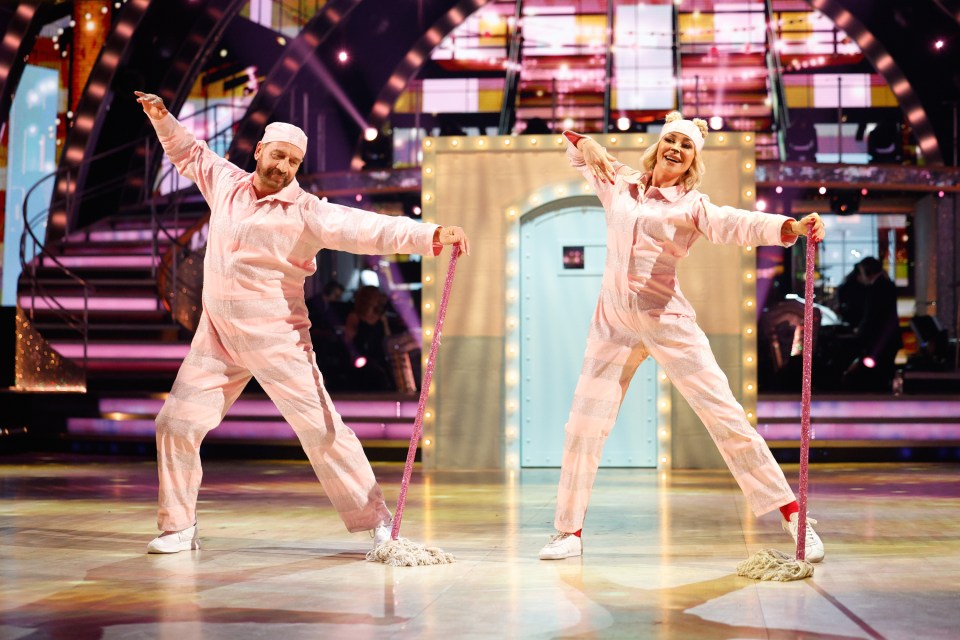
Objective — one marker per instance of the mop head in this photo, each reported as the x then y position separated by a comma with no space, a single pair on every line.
770,564
404,553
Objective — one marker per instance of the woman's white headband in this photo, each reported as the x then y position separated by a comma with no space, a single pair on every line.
687,128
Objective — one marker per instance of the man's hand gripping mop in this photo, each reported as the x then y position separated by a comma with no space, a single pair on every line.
771,564
400,552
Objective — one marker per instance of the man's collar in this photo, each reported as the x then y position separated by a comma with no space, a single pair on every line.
287,195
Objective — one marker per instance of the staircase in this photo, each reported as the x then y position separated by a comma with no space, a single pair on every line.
132,341
135,348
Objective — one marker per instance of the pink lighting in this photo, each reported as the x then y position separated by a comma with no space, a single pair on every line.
235,429
360,362
905,409
124,351
343,56
104,262
251,407
909,431
869,362
938,45
894,419
94,304
252,419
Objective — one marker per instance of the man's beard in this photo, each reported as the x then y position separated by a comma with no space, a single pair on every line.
272,176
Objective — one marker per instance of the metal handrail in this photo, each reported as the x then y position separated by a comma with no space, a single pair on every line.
775,75
514,55
42,255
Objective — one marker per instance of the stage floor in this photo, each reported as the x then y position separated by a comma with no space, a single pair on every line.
660,557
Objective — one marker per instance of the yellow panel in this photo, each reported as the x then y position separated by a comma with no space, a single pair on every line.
493,30
798,97
489,100
882,96
795,25
591,29
701,24
406,103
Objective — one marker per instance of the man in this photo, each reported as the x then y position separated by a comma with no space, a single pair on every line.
265,232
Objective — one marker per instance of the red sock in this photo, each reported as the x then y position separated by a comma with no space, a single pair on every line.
788,509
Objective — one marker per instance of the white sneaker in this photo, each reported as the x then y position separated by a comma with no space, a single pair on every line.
562,545
812,545
382,533
184,540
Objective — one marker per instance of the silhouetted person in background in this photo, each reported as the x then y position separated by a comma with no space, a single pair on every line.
802,141
366,330
851,298
537,126
884,143
878,333
326,329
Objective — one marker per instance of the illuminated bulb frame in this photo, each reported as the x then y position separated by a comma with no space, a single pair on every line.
748,287
513,215
429,276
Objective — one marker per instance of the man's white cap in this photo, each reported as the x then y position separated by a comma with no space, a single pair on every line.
285,132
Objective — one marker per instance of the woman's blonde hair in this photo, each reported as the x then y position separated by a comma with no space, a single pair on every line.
694,175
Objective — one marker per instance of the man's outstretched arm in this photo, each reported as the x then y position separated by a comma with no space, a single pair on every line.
193,158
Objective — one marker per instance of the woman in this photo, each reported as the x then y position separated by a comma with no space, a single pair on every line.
653,217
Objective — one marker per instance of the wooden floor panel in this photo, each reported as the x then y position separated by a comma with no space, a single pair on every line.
660,557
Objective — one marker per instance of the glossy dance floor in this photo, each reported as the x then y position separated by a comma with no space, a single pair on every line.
661,552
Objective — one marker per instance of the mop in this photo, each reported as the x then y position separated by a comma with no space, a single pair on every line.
400,552
771,564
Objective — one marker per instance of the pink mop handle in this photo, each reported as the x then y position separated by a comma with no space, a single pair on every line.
424,392
805,396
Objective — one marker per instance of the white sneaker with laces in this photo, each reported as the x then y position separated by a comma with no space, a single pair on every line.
812,545
382,533
562,545
185,540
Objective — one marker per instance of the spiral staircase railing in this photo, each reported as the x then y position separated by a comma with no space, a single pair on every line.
36,255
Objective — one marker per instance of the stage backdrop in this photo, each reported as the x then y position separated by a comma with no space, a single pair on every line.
491,186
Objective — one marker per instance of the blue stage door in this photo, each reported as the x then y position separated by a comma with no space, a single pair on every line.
562,258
